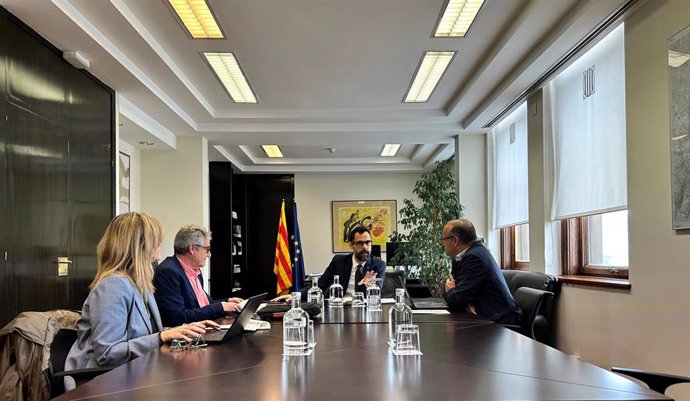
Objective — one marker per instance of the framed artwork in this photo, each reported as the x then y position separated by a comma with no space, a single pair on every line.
380,216
123,182
679,92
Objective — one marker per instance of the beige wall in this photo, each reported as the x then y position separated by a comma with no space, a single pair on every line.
314,193
649,326
174,188
472,181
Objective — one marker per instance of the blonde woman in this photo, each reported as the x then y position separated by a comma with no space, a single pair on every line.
120,320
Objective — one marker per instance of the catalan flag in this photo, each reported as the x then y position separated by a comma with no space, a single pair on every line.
281,264
297,255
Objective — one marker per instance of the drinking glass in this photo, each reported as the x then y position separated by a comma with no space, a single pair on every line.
310,335
407,340
358,300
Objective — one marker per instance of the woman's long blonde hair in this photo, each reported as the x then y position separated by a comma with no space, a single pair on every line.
127,248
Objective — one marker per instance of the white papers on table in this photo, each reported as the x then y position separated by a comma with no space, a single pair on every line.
255,325
387,300
430,312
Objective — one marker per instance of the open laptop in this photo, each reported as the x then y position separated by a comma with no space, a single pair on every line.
428,303
420,296
237,327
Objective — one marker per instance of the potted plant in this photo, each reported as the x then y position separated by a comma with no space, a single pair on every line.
424,223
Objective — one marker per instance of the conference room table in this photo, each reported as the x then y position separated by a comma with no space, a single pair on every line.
464,358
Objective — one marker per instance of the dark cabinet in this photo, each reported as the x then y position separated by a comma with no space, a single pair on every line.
244,221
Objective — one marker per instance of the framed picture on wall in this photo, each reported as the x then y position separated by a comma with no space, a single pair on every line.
679,84
380,216
123,182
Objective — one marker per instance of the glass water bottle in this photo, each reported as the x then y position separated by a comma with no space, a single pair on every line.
295,326
374,297
335,293
315,294
400,313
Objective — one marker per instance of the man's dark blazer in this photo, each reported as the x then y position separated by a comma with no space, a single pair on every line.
341,265
480,283
175,296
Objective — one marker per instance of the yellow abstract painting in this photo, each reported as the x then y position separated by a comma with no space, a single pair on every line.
379,216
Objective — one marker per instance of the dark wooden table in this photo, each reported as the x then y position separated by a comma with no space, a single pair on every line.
464,358
349,315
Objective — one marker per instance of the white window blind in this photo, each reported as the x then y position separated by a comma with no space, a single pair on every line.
589,132
510,169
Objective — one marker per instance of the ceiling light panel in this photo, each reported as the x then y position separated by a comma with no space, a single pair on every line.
676,59
272,150
230,73
429,73
390,149
457,18
197,17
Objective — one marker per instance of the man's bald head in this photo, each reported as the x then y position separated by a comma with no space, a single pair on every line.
463,229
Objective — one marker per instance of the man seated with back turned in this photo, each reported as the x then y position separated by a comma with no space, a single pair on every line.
476,283
356,270
179,293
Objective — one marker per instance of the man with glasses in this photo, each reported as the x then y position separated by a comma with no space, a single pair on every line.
476,284
357,270
179,291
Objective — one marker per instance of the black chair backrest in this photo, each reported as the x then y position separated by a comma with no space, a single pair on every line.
530,301
62,343
394,279
541,281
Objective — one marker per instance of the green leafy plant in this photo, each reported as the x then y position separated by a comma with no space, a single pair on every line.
421,245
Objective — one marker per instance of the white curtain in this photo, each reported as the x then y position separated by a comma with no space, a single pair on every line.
589,160
510,169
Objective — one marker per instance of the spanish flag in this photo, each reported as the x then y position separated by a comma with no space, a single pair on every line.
281,264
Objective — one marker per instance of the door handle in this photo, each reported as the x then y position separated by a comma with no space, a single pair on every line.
63,263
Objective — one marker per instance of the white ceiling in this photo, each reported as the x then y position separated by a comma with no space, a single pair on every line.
327,73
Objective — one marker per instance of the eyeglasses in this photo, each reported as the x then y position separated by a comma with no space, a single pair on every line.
181,345
361,243
448,237
208,248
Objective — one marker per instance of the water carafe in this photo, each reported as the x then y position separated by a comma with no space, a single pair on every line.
399,314
335,293
295,326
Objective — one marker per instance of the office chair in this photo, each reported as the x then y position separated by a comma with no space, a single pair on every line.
530,301
55,374
658,382
394,279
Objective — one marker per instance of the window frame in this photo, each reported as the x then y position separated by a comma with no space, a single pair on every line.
507,241
575,252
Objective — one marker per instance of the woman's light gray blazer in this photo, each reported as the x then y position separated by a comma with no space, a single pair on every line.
114,327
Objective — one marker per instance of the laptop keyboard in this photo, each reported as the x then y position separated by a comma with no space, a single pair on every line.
214,335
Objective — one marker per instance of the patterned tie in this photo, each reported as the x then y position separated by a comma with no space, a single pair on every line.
358,275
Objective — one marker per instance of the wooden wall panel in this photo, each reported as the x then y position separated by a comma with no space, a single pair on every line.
56,153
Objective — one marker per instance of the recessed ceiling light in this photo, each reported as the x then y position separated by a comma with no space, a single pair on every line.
390,149
197,17
230,73
272,150
457,18
429,72
676,59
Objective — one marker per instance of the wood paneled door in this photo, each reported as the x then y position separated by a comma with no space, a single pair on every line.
57,173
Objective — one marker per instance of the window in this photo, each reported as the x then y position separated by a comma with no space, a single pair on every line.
596,245
586,107
515,247
510,207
